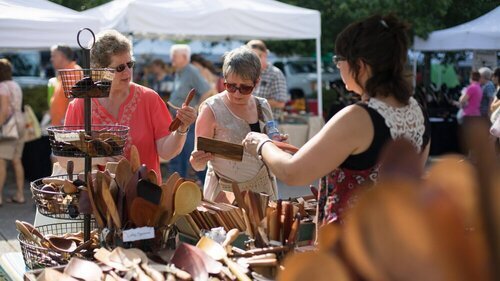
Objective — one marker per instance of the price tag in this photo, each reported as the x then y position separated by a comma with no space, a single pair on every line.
66,137
140,233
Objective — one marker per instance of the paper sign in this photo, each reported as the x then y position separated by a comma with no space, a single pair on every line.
140,233
65,137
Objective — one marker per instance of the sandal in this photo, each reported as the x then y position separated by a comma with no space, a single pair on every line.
14,200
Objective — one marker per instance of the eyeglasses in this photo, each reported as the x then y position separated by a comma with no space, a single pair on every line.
121,67
244,89
337,59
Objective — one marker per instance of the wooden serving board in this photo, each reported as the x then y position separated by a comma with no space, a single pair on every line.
221,149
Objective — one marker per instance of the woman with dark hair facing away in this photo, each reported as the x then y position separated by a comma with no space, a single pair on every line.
371,56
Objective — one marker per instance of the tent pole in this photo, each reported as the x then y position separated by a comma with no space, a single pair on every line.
319,84
414,74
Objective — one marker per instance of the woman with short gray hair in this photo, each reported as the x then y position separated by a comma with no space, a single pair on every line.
229,116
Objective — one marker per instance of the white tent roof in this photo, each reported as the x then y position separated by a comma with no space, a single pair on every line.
213,20
482,33
209,19
38,24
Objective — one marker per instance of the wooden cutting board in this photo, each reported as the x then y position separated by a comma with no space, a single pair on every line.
221,149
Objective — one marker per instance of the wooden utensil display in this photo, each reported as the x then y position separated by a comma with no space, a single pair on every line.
221,149
217,252
177,122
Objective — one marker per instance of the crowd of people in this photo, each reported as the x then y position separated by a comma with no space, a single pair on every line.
347,154
235,106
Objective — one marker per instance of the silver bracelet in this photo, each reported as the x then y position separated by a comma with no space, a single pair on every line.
259,148
178,132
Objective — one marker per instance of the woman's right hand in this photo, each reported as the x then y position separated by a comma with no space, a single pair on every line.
199,159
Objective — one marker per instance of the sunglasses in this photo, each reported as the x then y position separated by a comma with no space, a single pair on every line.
244,89
122,66
337,59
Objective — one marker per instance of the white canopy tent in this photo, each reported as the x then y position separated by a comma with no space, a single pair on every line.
482,33
38,24
213,20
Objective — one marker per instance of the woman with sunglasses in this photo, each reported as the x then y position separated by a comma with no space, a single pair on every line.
371,56
132,105
229,116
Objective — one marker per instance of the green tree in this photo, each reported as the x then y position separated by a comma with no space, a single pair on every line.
424,16
80,5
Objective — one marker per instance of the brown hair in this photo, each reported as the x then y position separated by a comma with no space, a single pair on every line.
5,70
160,63
382,43
257,44
475,76
108,43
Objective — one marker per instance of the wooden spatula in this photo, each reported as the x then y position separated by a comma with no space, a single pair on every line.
135,160
165,210
97,215
112,210
143,212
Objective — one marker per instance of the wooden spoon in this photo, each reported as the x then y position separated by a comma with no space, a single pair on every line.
90,192
187,198
177,122
144,212
152,176
217,252
123,173
29,234
62,244
135,160
83,270
70,167
167,189
108,199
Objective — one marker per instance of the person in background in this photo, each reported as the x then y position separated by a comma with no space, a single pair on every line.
470,100
61,57
162,81
229,116
187,77
11,99
272,85
208,71
488,90
371,56
132,105
496,80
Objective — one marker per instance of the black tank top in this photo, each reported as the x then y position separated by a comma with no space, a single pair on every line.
381,135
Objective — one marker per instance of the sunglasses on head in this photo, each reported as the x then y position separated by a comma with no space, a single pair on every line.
122,66
337,59
244,89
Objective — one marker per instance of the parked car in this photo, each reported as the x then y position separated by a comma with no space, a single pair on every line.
27,70
301,77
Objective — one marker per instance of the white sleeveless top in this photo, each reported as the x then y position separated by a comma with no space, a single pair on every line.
231,128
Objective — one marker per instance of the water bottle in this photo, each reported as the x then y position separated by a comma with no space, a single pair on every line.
272,130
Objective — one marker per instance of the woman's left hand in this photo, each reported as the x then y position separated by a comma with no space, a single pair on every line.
252,140
187,115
